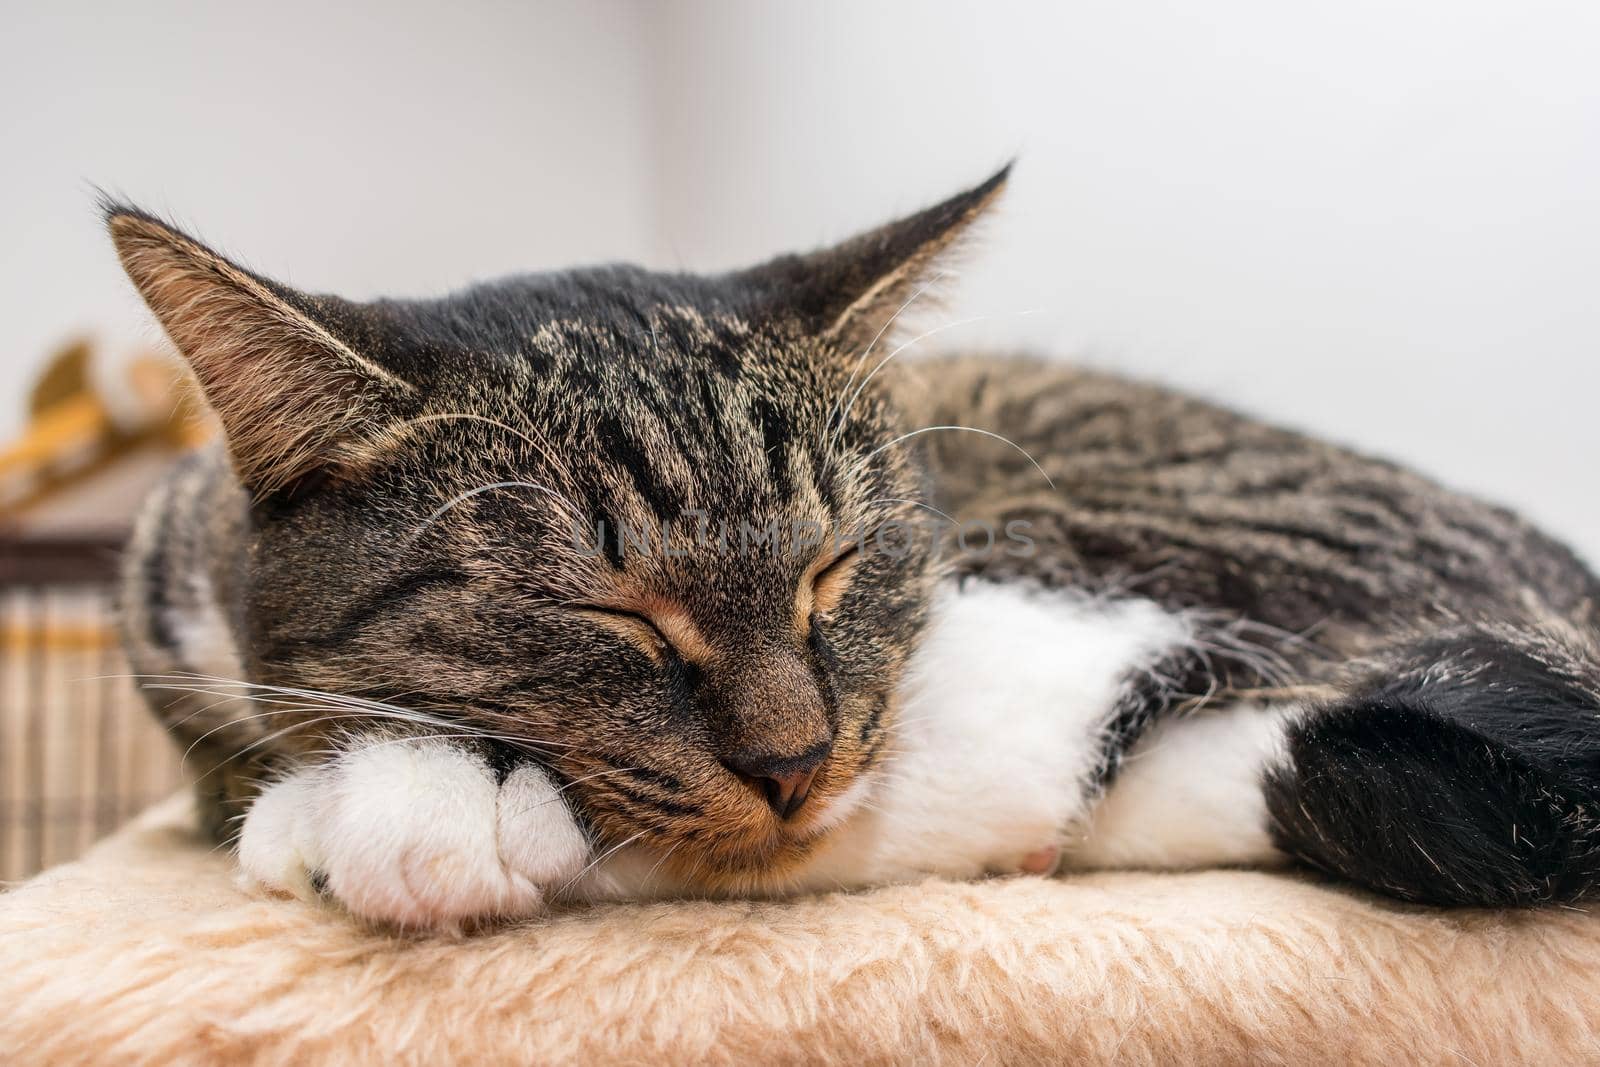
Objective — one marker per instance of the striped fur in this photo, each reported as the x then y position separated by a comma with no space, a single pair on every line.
436,517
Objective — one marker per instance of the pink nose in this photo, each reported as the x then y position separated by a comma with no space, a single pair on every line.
784,781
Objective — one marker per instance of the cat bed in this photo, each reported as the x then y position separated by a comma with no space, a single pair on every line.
145,951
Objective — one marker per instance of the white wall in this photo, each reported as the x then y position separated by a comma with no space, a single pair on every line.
399,147
1377,220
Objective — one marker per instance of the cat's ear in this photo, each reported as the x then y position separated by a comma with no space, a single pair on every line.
849,293
294,399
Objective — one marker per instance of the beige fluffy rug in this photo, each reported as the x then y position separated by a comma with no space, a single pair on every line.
145,952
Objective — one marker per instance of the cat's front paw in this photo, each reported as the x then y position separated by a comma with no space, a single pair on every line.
415,833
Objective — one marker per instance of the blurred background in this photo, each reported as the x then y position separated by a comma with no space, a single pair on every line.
1376,221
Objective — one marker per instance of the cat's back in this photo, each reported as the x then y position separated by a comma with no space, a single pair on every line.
1141,476
1090,420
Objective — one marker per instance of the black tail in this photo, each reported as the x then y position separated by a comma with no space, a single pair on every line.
1469,774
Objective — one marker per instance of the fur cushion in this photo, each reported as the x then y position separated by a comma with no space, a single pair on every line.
146,952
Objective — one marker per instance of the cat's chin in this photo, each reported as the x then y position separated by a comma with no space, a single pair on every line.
769,860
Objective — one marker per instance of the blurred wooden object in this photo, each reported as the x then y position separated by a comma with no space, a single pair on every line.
78,752
76,431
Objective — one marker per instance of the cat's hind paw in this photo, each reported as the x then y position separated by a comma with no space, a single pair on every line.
415,833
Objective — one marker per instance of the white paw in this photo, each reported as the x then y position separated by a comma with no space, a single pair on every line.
414,833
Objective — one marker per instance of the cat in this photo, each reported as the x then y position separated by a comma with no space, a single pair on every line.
613,584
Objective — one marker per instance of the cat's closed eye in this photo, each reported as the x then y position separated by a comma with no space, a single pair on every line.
634,627
659,626
827,586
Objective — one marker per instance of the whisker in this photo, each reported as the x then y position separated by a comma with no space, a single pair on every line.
352,708
246,750
183,760
461,498
844,417
462,416
651,873
964,429
915,503
562,789
164,681
607,854
827,427
317,699
463,735
535,438
596,774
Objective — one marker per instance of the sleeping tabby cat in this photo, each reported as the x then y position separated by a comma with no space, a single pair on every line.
611,583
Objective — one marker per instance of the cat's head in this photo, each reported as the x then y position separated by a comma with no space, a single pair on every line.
634,523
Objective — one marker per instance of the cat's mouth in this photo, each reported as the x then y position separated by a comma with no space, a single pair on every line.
747,847
709,822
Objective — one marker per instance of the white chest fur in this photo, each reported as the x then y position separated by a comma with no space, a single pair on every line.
1002,719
